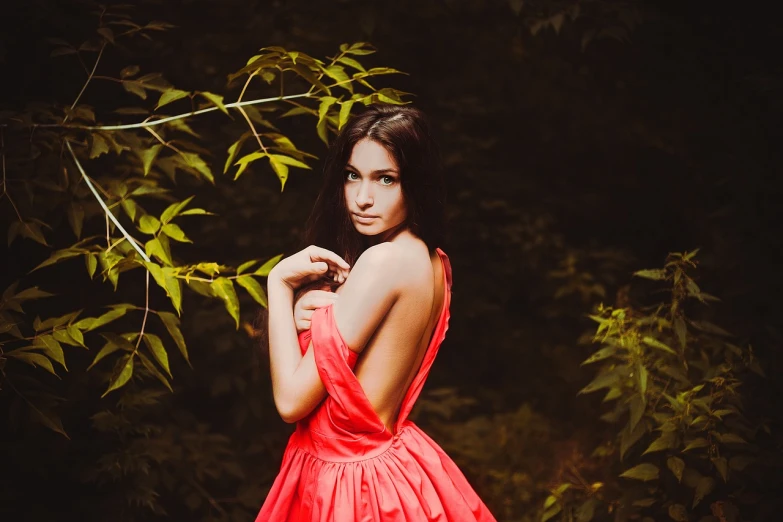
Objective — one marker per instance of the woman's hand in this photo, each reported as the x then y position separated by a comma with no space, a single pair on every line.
308,265
307,304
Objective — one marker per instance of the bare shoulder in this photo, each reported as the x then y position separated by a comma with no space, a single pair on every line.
407,263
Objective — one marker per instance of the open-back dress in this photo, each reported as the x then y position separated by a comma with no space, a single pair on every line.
343,464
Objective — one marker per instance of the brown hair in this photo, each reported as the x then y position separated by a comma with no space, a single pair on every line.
406,134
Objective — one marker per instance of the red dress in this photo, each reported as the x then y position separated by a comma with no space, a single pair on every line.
342,463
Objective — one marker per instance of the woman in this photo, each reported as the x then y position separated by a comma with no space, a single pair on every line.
365,350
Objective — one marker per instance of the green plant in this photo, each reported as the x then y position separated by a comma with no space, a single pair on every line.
685,448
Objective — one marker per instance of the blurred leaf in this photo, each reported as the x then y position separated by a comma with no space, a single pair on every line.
253,288
171,322
125,367
224,289
676,465
264,269
155,346
216,99
645,472
171,95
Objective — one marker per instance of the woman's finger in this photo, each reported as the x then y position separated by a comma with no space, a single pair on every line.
318,298
322,254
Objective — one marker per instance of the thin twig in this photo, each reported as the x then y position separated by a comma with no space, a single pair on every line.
161,121
84,87
103,205
247,118
146,310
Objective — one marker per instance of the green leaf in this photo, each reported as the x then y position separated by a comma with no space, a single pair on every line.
708,327
264,269
667,440
174,210
253,288
149,224
233,150
107,349
337,73
166,279
308,75
49,419
107,33
195,162
722,465
155,346
678,512
91,261
654,274
600,355
129,71
224,289
91,323
642,376
644,472
154,247
677,466
125,366
246,160
605,379
154,371
34,359
730,438
75,334
171,95
171,322
551,512
288,160
345,113
52,348
699,442
654,343
681,331
148,156
99,146
196,212
247,264
629,437
703,488
280,169
175,232
216,99
59,255
350,62
76,218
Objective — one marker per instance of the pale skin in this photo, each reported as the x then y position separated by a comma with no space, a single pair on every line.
386,308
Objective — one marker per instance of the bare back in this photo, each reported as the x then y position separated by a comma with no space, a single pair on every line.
393,355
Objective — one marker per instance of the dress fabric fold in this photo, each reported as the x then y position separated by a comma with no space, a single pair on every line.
343,464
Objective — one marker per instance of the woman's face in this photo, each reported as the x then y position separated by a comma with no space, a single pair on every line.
372,189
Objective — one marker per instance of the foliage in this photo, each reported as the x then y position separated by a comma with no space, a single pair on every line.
685,448
119,197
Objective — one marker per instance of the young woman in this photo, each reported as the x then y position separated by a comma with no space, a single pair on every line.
365,350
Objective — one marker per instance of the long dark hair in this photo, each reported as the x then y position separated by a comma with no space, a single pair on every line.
405,133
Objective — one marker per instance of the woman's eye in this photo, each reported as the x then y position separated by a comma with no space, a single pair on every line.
348,174
391,180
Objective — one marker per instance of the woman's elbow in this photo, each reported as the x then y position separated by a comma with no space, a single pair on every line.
288,412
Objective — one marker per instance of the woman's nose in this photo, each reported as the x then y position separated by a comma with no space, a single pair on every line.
363,196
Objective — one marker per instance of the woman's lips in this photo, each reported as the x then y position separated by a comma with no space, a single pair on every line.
366,220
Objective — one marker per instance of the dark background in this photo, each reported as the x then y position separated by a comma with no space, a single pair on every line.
659,134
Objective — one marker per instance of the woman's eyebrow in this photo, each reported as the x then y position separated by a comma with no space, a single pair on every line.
379,171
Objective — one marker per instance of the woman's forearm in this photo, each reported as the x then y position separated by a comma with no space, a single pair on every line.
284,352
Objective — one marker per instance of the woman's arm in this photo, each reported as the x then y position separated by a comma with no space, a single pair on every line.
367,295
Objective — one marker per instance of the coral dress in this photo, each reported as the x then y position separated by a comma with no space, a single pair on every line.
342,463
